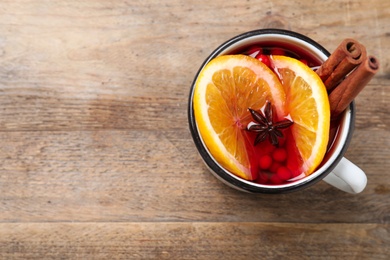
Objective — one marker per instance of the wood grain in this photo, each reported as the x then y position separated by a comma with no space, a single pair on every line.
193,240
96,158
107,175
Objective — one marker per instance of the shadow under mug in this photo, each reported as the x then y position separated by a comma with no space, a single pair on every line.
335,169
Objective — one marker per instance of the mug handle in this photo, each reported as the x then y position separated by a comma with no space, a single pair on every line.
347,177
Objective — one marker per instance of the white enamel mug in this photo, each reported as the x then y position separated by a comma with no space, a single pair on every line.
335,169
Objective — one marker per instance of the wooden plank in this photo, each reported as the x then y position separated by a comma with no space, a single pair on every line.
33,112
73,77
159,176
193,241
29,110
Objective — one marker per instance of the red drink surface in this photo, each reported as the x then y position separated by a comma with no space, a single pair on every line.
277,48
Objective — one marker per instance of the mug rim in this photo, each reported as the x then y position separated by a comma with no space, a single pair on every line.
226,176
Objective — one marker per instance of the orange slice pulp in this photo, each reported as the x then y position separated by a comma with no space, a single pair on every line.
308,106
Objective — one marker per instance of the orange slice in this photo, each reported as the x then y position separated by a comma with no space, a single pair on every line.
307,104
226,87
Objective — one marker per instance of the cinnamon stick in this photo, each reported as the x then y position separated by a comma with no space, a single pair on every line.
341,62
349,88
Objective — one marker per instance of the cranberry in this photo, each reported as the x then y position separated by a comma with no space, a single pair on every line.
264,59
279,155
295,173
265,162
284,173
275,179
274,167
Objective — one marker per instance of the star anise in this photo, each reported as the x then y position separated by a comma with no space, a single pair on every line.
265,127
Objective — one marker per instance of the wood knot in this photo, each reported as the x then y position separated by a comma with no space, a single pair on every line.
275,21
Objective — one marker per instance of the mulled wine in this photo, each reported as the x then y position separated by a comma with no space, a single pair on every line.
277,163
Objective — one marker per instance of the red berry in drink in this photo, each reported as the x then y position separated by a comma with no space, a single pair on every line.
274,167
275,179
296,173
284,173
265,162
279,155
264,59
278,51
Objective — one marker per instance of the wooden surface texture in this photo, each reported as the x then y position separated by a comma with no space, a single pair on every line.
96,157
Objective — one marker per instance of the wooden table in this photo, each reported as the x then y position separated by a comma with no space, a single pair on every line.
97,161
